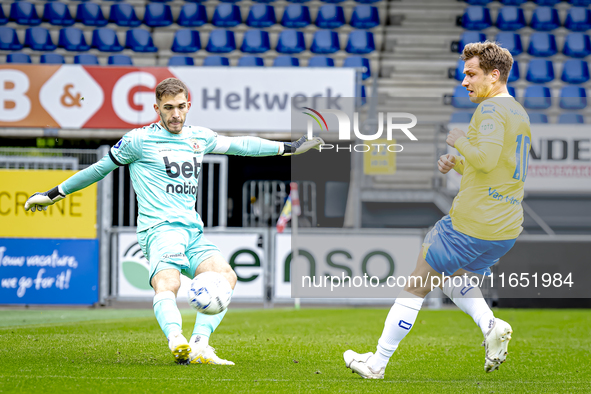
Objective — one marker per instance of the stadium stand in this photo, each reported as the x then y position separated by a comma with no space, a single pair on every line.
181,61
139,40
216,60
120,60
286,61
51,58
186,41
573,97
86,59
325,42
570,118
105,40
251,61
226,15
290,42
577,45
255,41
510,18
320,61
542,45
540,71
158,15
38,39
90,14
360,42
57,13
18,58
330,16
545,19
24,13
365,17
575,71
296,16
192,15
261,16
221,41
9,39
511,41
72,39
123,14
359,62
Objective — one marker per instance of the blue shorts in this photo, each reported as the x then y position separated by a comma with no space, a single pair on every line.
173,245
447,250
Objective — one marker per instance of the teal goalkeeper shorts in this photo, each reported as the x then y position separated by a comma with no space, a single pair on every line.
175,246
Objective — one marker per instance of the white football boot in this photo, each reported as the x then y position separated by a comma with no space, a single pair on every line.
358,364
179,347
495,344
205,354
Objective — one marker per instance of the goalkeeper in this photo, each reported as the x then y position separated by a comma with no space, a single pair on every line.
164,160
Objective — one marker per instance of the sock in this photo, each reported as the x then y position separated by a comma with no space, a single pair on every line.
206,324
470,300
400,320
167,313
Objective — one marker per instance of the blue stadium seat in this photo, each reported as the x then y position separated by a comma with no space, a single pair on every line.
299,1
510,18
290,41
226,15
578,19
537,118
86,59
192,15
325,41
573,97
72,39
511,41
255,41
230,1
461,99
24,13
513,2
9,39
18,58
545,19
3,18
139,40
123,14
57,13
221,41
582,3
286,61
264,1
540,71
550,3
330,16
119,60
461,117
570,118
181,61
458,72
320,61
105,40
368,1
577,45
470,37
216,61
261,15
537,97
158,15
90,14
514,74
251,61
542,45
333,1
512,91
360,42
478,2
52,58
359,62
38,38
186,41
365,17
476,18
296,16
575,71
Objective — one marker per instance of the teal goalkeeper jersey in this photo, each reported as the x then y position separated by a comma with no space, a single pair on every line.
165,169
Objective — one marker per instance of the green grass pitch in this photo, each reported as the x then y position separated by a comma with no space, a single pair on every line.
282,350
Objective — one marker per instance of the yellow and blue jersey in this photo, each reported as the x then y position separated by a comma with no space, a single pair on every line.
494,168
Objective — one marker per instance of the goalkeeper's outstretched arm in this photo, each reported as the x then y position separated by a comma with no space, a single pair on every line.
78,181
254,146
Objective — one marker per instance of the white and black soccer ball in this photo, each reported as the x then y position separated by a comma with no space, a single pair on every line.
210,293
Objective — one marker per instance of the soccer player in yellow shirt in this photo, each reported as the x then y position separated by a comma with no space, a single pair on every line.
485,218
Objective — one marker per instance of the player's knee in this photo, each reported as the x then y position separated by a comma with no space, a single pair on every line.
417,290
230,275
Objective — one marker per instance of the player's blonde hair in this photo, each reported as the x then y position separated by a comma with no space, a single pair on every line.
491,56
171,87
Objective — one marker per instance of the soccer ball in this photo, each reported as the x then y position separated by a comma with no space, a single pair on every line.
210,293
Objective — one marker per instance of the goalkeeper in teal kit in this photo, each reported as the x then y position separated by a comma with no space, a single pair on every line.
164,161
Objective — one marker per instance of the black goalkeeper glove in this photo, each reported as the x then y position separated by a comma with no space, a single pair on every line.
40,201
302,145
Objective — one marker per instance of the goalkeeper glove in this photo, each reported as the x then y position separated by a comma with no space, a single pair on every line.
302,145
40,201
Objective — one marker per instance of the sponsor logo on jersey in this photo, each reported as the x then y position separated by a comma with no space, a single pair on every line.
487,126
118,144
185,169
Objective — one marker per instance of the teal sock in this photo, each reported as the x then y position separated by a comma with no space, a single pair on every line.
206,324
167,313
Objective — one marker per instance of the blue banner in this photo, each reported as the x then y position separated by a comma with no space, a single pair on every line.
48,271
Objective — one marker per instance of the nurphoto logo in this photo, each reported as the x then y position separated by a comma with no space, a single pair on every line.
345,129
